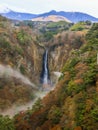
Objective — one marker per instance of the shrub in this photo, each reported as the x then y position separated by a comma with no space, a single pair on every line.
74,88
22,69
54,114
90,76
23,37
78,27
6,123
37,105
80,110
19,50
94,114
4,43
48,36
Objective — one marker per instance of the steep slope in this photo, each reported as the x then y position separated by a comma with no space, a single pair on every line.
19,56
16,44
21,52
72,105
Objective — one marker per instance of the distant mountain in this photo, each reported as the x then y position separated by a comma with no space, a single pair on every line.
70,16
53,18
5,11
18,15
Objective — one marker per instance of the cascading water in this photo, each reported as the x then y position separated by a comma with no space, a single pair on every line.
45,70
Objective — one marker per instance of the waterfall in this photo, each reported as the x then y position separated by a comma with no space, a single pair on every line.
45,71
45,78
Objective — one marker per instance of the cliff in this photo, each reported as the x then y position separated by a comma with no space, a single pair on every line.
20,61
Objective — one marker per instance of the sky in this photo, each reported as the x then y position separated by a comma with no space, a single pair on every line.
41,6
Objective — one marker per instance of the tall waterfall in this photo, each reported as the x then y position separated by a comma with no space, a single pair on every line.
45,71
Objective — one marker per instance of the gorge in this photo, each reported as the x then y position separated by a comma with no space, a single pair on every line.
28,52
32,56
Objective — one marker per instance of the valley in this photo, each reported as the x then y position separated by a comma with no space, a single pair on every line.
21,61
48,75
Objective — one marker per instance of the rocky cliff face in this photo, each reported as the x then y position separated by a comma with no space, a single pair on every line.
61,47
19,50
20,59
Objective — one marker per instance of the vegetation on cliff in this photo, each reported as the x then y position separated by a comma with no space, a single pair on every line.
16,57
73,104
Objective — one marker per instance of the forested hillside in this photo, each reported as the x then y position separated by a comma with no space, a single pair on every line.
73,103
16,63
22,45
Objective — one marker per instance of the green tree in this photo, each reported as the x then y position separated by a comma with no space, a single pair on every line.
55,114
6,123
23,37
37,105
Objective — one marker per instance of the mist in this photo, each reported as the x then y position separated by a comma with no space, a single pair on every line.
7,72
21,108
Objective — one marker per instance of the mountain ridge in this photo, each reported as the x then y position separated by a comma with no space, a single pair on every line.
18,15
71,16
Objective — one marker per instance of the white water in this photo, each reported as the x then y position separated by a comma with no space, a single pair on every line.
45,77
58,74
7,72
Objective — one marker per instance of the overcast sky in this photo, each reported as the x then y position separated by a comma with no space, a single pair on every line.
40,6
